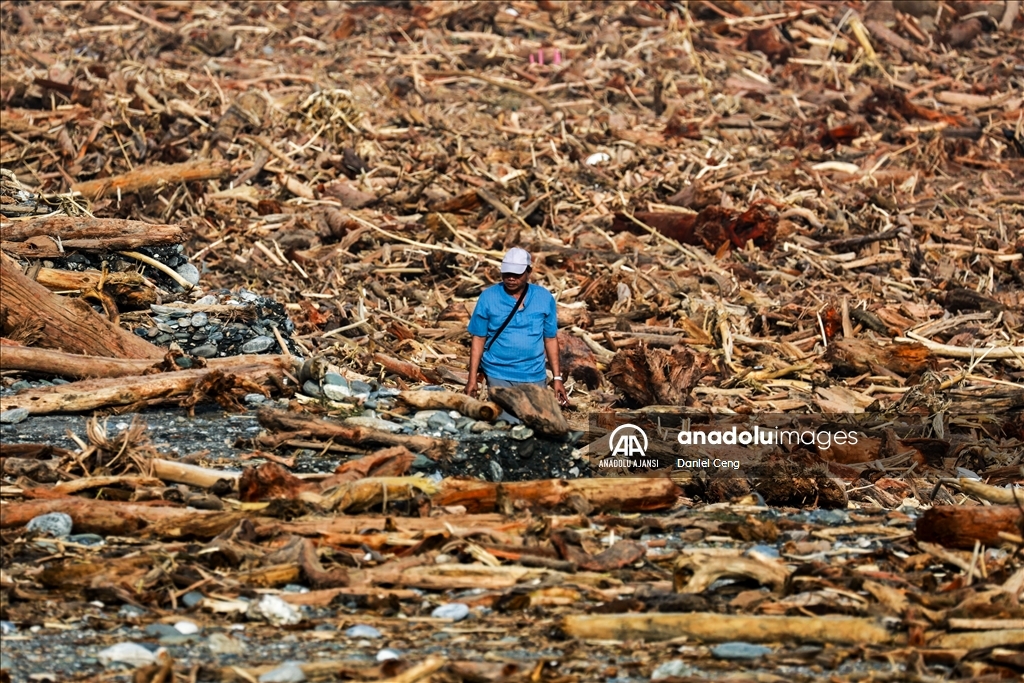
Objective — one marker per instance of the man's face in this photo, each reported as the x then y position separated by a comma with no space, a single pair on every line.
514,282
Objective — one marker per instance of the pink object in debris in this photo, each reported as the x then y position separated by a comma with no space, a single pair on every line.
540,56
532,60
558,56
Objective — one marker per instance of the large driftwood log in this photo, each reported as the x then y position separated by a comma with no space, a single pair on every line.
449,400
283,421
577,360
68,324
715,628
536,406
74,366
625,495
121,391
956,526
657,376
67,228
153,177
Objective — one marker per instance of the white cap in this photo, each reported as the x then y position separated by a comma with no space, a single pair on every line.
516,261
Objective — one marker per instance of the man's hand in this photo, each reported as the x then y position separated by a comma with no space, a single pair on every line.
471,387
563,398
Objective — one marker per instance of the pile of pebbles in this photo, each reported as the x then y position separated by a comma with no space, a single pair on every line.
220,334
498,451
172,256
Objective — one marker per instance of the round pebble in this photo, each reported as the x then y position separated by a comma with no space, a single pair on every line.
387,653
258,344
189,272
740,650
199,319
362,631
205,351
55,524
14,416
186,628
456,611
289,672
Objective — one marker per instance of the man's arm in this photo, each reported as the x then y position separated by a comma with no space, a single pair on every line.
551,351
476,352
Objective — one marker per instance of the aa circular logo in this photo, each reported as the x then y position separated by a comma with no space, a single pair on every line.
628,441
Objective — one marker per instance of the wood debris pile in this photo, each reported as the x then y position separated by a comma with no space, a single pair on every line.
741,208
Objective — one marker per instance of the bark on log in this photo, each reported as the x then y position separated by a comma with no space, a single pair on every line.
153,177
536,406
128,289
76,228
855,356
68,324
712,627
658,377
120,391
111,518
577,360
625,495
957,526
283,421
406,370
74,366
449,400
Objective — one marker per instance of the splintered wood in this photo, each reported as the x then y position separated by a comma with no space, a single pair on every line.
761,212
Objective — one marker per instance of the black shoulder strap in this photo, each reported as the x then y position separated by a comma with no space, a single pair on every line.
515,308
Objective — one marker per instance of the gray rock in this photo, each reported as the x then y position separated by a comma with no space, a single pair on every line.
479,427
254,399
336,392
205,351
373,423
387,392
456,611
184,362
257,344
671,669
362,631
55,524
311,388
158,630
740,650
199,320
334,379
422,462
387,653
274,610
186,628
208,300
497,474
441,420
360,387
192,598
520,433
20,385
766,550
132,654
7,628
130,612
289,672
177,639
189,272
223,644
14,416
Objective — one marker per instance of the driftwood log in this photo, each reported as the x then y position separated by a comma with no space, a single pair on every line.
956,526
283,421
152,178
625,495
449,400
63,323
536,406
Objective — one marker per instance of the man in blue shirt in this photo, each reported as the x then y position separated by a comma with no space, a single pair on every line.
510,347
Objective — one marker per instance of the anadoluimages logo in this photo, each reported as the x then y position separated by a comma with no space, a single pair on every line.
625,441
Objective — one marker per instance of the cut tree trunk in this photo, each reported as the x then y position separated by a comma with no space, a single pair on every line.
449,400
153,177
536,406
956,526
625,495
406,370
856,356
68,324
